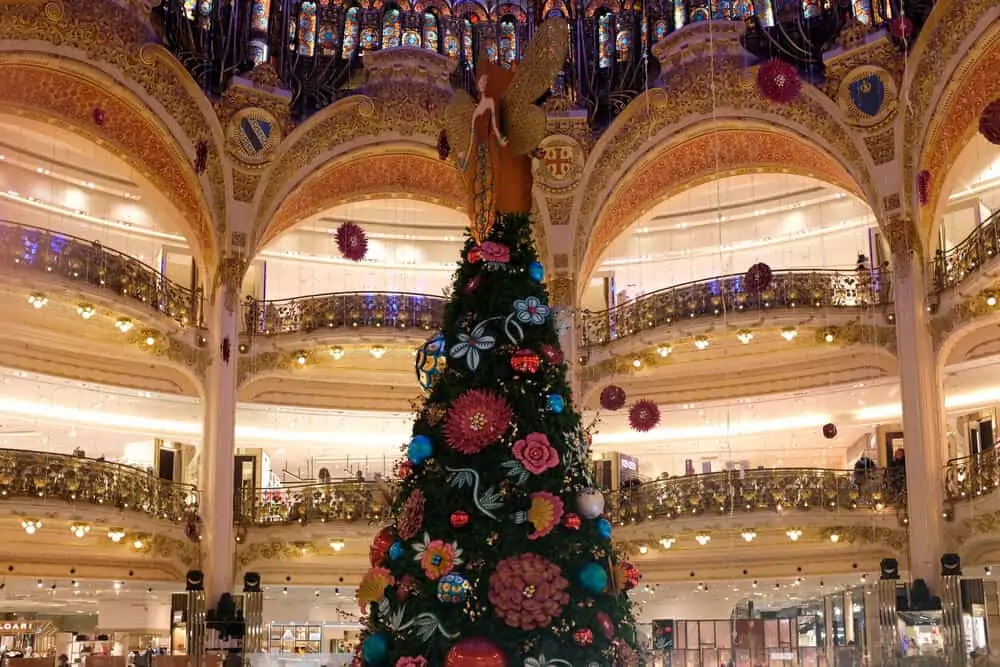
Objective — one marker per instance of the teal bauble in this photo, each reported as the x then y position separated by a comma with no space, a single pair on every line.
536,271
453,588
603,527
555,403
375,649
593,578
396,550
420,449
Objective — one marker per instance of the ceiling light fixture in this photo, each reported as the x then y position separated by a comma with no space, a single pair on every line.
667,542
116,535
301,358
79,529
86,311
151,340
637,363
703,538
829,336
337,545
138,543
377,351
749,535
37,300
793,534
31,526
124,324
789,333
643,549
701,342
664,350
834,537
337,352
744,336
991,299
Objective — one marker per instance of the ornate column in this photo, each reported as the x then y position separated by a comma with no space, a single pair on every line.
217,474
924,427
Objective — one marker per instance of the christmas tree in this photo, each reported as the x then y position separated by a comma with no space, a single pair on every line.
498,554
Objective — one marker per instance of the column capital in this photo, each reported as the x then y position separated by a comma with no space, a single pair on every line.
901,234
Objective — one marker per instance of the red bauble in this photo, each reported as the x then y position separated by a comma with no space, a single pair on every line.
989,122
644,416
443,146
459,519
379,550
584,637
98,115
552,354
830,431
352,241
778,81
757,278
472,285
572,521
612,397
901,28
475,653
525,361
924,186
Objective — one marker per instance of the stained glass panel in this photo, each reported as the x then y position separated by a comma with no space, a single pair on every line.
623,45
863,11
327,39
260,12
467,41
490,45
307,29
206,7
680,14
743,8
189,7
604,40
810,8
369,39
430,31
508,43
660,29
390,29
352,29
450,45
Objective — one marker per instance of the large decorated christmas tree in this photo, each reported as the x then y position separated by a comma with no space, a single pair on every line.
498,554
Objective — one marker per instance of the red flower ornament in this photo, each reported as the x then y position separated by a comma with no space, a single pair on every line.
352,241
535,453
644,416
778,81
612,397
476,420
552,354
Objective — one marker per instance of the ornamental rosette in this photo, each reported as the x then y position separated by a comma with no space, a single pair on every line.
527,591
476,420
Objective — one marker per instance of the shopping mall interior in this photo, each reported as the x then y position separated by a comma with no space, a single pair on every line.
775,221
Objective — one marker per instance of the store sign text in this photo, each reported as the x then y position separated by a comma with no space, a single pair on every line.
16,627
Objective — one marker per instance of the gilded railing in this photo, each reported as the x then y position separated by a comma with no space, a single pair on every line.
953,266
972,476
715,297
26,248
736,492
80,480
370,310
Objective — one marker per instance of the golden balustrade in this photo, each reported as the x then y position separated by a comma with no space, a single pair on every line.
367,310
972,477
40,476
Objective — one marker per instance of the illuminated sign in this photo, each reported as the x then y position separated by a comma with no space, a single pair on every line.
17,626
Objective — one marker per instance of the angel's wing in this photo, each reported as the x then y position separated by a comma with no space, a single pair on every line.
543,60
457,123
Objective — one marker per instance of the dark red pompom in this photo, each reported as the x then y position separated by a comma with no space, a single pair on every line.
352,241
612,397
778,81
644,416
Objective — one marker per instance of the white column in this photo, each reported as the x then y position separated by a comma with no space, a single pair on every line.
924,426
217,547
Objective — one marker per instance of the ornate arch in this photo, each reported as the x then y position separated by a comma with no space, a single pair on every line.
370,175
710,92
957,75
696,158
112,57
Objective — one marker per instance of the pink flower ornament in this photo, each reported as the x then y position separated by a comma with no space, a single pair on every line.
535,453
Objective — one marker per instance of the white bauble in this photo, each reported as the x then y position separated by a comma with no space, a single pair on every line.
590,503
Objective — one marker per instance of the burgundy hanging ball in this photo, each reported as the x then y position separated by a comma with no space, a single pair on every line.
830,431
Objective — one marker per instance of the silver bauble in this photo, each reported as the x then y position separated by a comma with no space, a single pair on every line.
590,503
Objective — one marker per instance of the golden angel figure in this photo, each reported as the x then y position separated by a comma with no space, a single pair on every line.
496,136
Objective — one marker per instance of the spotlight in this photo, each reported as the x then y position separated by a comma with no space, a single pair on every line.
31,526
377,351
667,542
337,545
991,299
38,300
749,535
116,535
789,333
829,336
337,352
79,529
637,362
664,350
124,324
703,538
744,336
643,549
701,342
301,358
793,534
86,311
834,537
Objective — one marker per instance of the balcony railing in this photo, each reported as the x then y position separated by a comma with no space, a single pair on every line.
972,476
954,265
79,480
26,248
776,489
715,297
368,310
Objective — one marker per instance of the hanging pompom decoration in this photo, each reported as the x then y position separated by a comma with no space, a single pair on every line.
830,431
989,122
757,278
778,81
612,397
352,241
924,186
444,148
901,28
644,416
98,115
